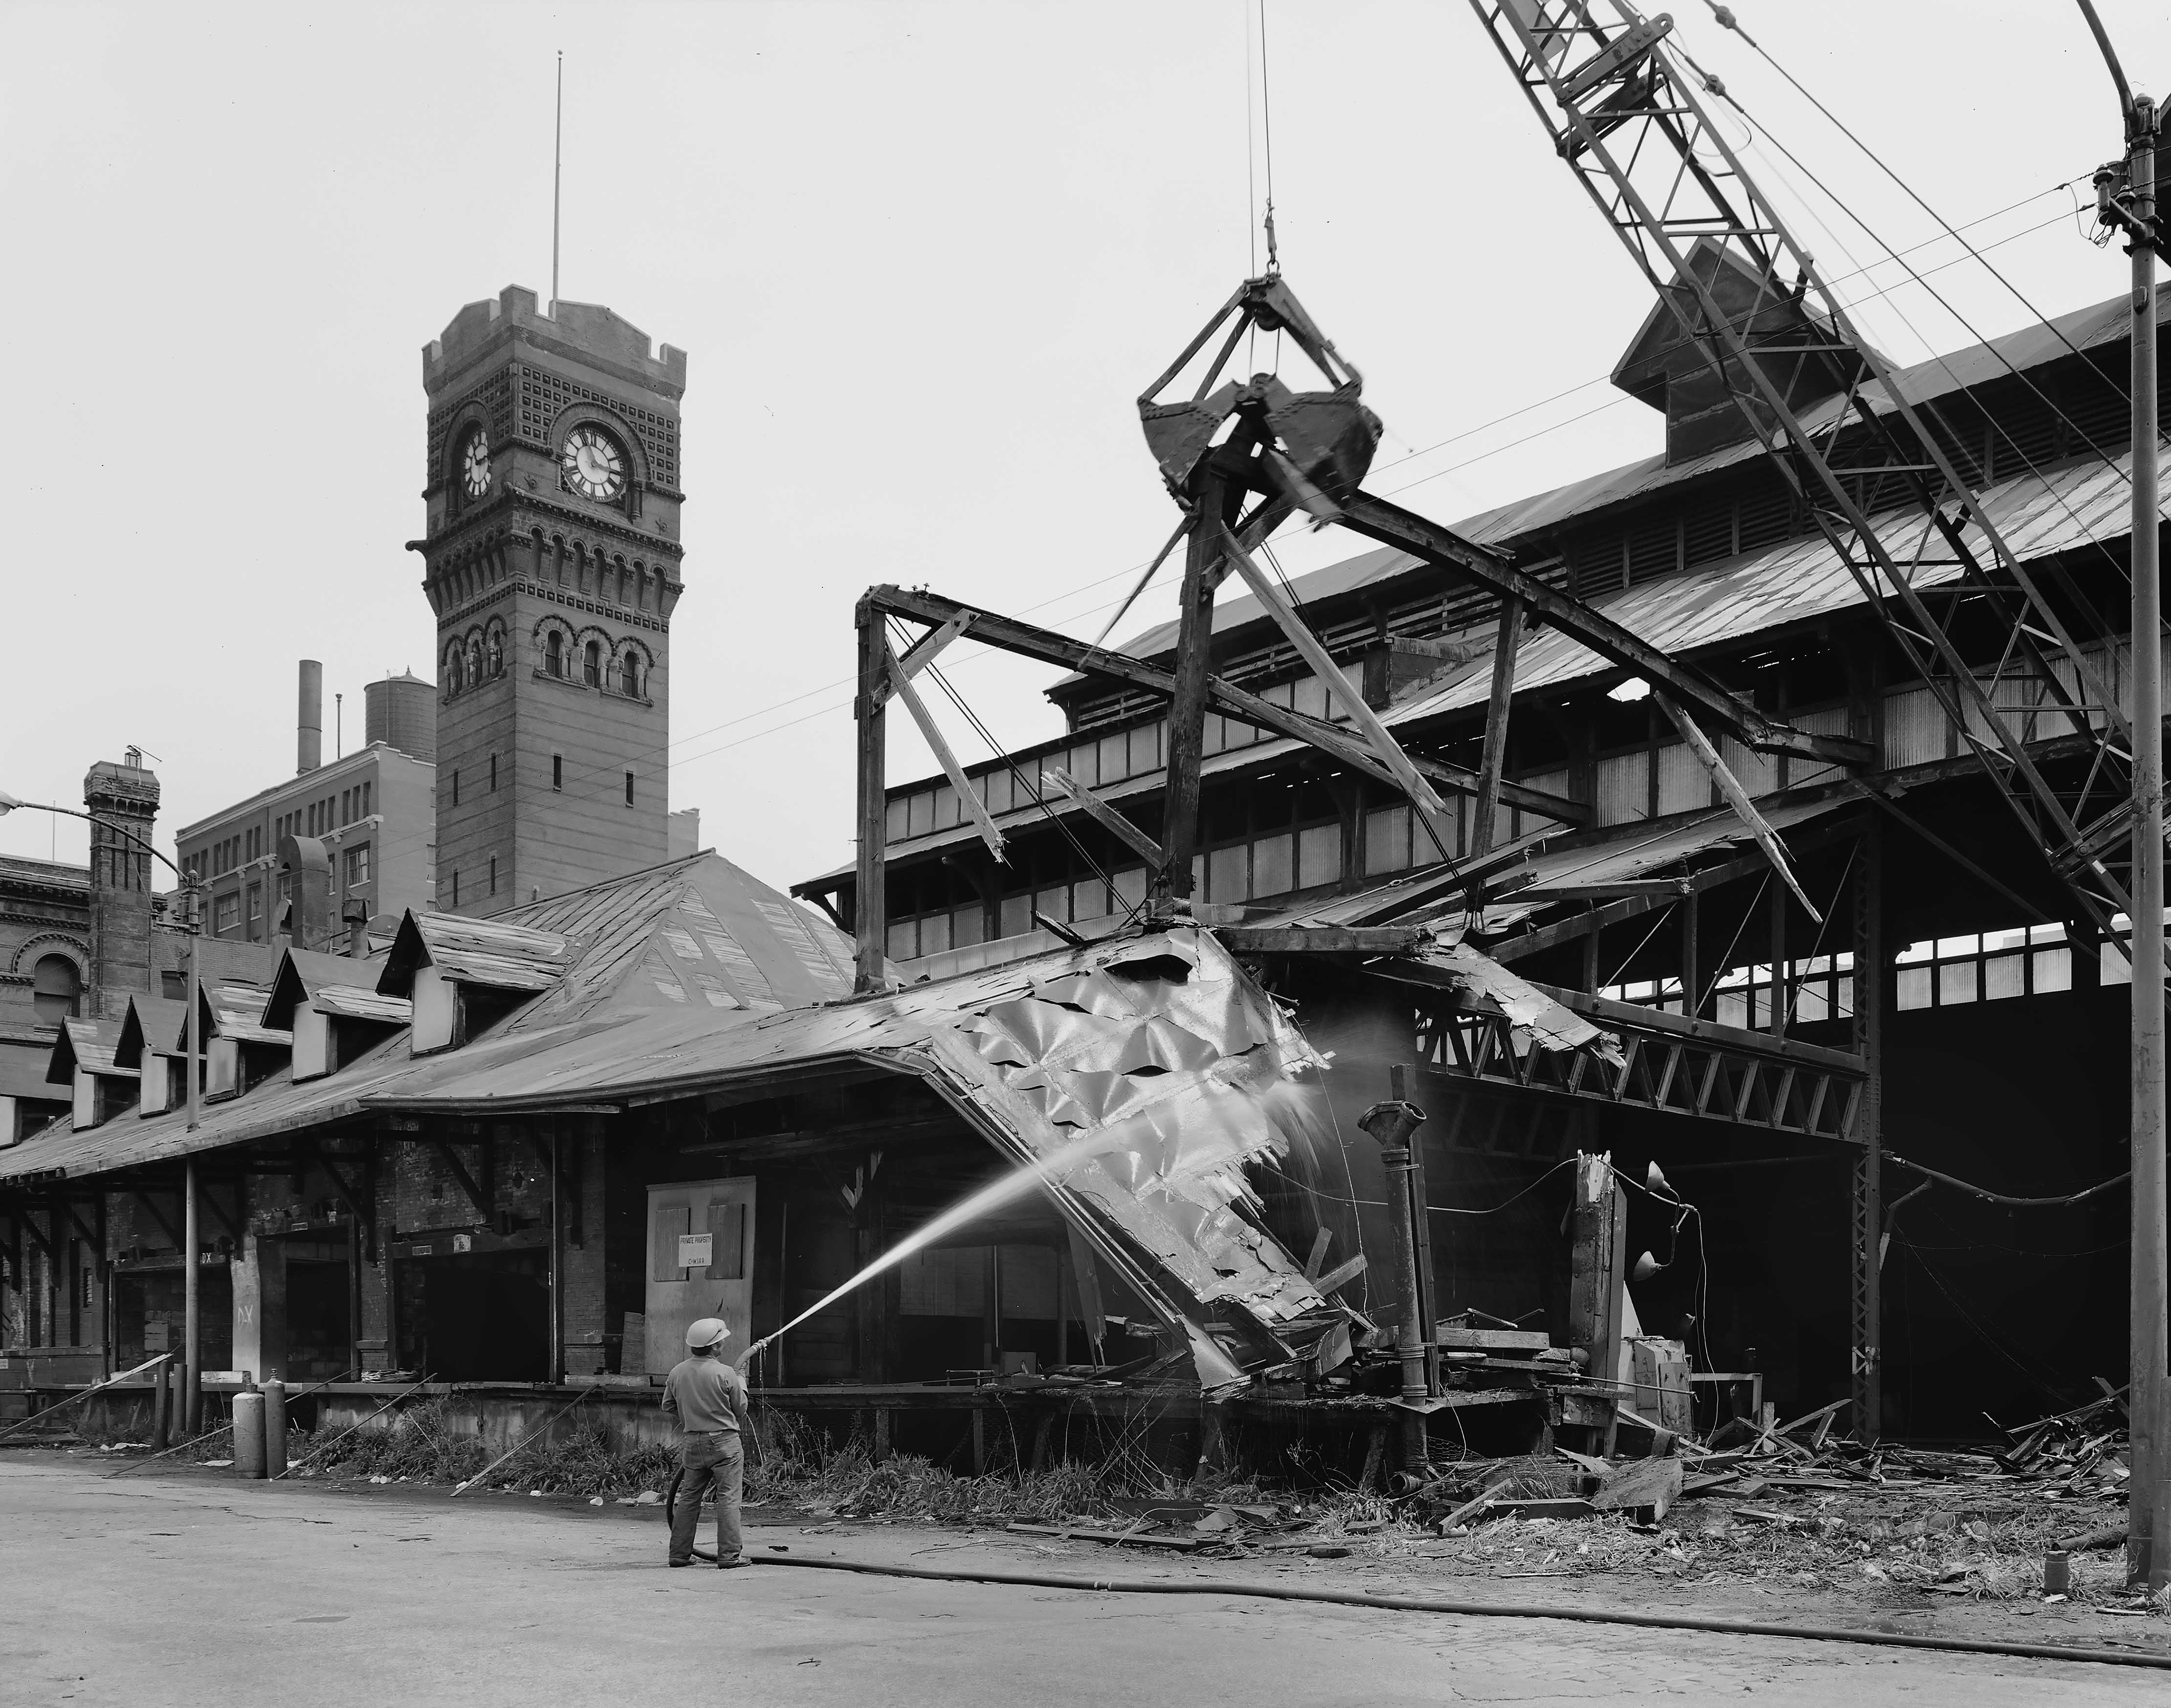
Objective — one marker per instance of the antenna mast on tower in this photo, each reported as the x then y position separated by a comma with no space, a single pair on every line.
557,178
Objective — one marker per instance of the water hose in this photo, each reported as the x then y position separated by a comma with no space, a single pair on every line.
1482,1609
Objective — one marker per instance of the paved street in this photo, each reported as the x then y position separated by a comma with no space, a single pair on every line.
194,1588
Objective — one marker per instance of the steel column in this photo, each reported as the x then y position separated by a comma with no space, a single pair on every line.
2148,1529
1871,984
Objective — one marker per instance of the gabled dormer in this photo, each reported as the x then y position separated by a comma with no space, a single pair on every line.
239,1050
152,1042
463,976
1666,370
330,1006
98,1087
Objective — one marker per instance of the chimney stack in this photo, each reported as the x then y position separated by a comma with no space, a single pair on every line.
309,721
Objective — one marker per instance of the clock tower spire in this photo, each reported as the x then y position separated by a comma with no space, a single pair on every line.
552,562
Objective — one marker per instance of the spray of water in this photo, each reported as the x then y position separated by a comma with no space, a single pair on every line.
1052,1167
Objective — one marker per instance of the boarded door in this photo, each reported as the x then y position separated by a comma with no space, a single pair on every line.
700,1263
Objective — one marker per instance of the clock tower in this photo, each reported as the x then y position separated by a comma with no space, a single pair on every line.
552,562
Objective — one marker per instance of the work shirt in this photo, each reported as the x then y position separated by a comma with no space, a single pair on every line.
705,1395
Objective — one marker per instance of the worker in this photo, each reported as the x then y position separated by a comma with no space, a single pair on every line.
709,1398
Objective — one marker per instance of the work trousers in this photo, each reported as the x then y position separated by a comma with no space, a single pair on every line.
715,1458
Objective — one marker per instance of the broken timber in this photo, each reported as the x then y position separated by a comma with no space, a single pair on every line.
1008,634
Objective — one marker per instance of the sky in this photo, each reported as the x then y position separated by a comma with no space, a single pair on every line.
924,258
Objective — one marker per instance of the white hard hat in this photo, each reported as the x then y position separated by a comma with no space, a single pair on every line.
707,1331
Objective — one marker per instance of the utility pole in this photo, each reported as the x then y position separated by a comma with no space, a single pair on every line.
2125,200
2148,1530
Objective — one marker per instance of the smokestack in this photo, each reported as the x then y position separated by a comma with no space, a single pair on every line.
309,720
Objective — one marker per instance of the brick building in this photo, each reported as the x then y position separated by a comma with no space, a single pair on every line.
370,813
552,560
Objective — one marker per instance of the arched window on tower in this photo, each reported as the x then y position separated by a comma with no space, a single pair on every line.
554,653
455,674
56,990
592,668
474,663
496,652
629,674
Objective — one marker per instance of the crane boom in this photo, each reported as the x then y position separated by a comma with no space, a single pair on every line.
1872,469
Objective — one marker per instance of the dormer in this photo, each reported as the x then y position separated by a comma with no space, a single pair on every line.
463,976
152,1042
240,1051
334,1016
98,1087
1794,343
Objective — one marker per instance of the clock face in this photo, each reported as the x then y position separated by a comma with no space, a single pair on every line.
475,464
593,464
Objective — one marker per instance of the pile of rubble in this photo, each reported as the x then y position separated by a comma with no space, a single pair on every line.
1772,1509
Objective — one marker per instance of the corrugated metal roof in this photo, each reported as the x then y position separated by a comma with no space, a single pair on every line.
698,931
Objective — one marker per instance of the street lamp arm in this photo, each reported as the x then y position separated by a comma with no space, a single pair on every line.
8,804
2110,57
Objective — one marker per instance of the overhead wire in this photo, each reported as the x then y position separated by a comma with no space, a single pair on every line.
1930,408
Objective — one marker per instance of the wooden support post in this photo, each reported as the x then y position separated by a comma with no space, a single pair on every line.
1593,970
1597,1281
1187,711
1871,986
869,899
883,1416
1780,993
1496,725
979,1436
557,1326
191,1305
1692,959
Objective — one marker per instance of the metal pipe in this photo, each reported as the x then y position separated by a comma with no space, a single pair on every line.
191,1309
309,719
2148,1537
1389,1125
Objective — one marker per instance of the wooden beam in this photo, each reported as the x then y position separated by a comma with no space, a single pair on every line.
870,894
1106,815
467,1182
1737,797
1323,939
171,1233
1186,708
363,1213
24,1219
967,796
1605,1011
210,1200
1496,723
1430,808
925,650
1008,634
1562,931
1392,525
90,1236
